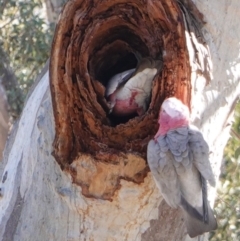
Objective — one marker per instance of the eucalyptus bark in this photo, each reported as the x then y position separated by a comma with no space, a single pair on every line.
53,9
92,188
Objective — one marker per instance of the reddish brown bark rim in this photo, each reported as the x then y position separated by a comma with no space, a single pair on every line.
94,40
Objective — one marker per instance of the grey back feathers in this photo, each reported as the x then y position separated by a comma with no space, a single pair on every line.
179,164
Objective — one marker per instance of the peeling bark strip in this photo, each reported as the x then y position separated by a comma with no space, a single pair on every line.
93,41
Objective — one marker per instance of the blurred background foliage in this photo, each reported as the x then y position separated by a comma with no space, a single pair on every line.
25,41
227,205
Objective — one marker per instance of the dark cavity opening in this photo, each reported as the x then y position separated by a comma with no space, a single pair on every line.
115,52
121,62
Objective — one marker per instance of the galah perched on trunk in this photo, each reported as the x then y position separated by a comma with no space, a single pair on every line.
178,160
129,92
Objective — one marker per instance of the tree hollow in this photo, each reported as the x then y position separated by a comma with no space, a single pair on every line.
93,41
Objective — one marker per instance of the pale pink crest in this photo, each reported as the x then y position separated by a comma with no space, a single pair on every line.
173,114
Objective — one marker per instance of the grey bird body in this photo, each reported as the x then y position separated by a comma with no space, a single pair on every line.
179,163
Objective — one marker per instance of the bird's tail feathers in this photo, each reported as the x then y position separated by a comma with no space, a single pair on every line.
205,201
188,208
196,223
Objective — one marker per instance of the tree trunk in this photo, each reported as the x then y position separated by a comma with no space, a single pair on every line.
53,8
97,185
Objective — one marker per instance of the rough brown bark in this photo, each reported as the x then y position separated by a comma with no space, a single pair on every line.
94,41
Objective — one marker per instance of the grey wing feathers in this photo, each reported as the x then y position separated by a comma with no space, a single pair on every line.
179,164
192,212
117,80
197,227
160,163
200,151
205,201
166,171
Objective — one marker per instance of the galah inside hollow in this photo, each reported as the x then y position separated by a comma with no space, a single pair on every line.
178,160
129,92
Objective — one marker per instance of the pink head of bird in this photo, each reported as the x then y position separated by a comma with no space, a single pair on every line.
173,114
